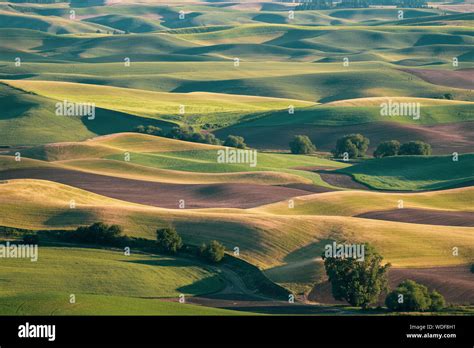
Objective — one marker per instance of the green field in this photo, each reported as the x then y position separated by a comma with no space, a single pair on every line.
103,282
410,173
87,304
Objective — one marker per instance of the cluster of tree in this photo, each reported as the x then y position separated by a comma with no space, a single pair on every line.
235,141
393,148
354,145
411,296
12,231
448,96
188,133
98,233
301,144
362,282
170,242
185,133
213,252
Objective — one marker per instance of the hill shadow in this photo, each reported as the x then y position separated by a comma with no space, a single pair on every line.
201,286
110,121
71,217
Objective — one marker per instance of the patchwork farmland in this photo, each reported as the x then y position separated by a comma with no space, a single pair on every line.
255,124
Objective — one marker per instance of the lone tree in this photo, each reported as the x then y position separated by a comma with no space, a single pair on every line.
169,240
301,144
355,145
359,282
387,148
235,141
213,252
415,148
411,296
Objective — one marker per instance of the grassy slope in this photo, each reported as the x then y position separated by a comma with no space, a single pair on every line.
57,304
44,287
150,156
322,82
351,203
155,104
28,119
133,24
56,25
411,173
365,110
140,172
108,272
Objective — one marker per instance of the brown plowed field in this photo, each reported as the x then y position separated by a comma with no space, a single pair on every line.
162,194
341,180
452,78
424,216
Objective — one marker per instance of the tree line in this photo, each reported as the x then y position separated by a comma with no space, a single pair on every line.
356,145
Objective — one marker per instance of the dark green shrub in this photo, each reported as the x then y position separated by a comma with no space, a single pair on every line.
411,296
235,141
213,252
355,145
168,240
387,148
301,144
97,233
415,148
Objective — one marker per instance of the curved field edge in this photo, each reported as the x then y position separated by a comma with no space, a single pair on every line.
265,240
414,173
351,203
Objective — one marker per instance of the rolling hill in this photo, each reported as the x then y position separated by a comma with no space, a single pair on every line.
245,68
